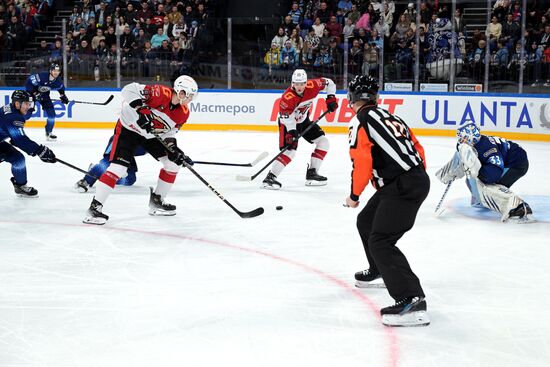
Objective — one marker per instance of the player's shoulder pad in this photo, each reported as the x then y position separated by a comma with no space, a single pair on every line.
320,82
288,101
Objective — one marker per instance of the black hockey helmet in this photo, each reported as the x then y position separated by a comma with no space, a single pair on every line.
54,66
21,96
363,88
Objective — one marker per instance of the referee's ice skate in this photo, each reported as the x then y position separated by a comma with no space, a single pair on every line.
369,279
410,311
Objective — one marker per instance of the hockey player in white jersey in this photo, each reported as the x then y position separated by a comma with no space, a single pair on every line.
147,110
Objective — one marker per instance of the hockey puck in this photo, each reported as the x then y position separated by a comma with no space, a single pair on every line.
278,207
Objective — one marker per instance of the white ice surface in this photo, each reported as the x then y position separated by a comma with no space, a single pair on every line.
207,288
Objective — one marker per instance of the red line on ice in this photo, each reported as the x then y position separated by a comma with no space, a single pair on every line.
389,332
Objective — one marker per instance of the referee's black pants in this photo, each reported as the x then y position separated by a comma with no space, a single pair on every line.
389,213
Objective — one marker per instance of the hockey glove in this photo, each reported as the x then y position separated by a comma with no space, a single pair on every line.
291,139
332,103
145,119
64,99
45,154
36,96
177,156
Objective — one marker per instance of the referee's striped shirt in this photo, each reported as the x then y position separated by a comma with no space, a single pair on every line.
382,147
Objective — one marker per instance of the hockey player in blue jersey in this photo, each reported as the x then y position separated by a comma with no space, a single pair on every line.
491,165
12,121
85,184
39,86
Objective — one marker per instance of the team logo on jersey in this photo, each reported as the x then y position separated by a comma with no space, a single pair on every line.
489,152
44,89
159,125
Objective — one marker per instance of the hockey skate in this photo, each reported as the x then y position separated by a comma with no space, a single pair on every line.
157,206
410,311
51,137
24,191
369,279
270,182
94,214
314,179
521,214
82,186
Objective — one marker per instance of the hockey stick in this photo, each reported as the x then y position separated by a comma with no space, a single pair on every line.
76,168
250,214
438,209
94,103
251,164
251,178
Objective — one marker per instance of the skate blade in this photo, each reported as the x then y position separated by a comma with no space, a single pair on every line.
90,190
316,183
27,196
525,220
80,189
94,220
417,318
162,213
269,187
51,139
379,283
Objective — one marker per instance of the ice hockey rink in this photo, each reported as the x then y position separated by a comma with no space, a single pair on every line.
207,288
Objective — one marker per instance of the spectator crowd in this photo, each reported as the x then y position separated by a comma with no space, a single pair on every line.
19,21
157,38
315,33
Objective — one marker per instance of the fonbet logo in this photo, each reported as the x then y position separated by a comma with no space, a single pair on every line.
343,114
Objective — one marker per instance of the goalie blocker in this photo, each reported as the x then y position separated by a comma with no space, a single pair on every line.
491,166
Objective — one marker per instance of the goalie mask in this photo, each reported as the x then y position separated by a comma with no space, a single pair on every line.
188,85
363,88
468,134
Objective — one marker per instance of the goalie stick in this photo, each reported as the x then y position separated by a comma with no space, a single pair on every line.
251,178
251,214
439,209
251,164
94,103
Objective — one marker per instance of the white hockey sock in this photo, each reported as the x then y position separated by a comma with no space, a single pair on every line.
165,182
106,183
321,148
281,162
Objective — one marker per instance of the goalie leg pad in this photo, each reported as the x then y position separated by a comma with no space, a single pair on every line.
495,197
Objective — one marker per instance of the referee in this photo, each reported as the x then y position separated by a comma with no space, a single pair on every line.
385,151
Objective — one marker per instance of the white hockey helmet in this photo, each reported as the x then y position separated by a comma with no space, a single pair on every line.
299,76
188,85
